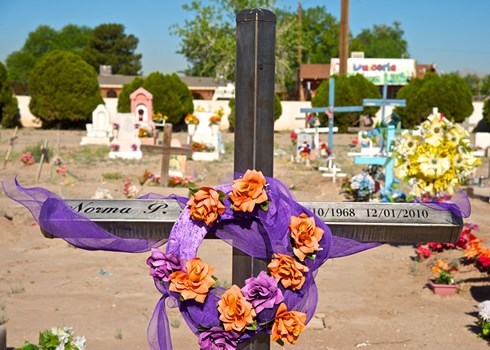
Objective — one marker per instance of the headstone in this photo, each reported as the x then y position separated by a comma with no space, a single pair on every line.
142,107
206,137
99,132
126,144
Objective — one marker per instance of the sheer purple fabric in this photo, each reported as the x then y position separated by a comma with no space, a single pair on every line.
259,234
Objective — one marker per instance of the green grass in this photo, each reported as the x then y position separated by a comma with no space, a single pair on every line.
112,176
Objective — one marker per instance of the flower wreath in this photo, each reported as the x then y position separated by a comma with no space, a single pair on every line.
259,217
254,214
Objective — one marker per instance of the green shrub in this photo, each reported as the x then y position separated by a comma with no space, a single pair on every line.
64,90
231,116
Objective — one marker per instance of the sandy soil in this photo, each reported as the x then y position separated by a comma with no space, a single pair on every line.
376,299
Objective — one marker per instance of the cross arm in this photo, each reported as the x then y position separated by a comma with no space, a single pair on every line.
379,102
166,150
362,221
338,109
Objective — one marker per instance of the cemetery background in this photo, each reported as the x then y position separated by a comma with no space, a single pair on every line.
376,298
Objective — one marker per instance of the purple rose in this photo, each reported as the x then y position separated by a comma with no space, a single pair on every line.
262,291
217,338
162,265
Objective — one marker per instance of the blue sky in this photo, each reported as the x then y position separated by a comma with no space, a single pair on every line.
453,34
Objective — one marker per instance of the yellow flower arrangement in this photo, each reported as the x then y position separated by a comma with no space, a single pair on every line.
191,119
434,158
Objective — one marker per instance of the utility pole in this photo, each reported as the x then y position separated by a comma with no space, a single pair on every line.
344,36
301,92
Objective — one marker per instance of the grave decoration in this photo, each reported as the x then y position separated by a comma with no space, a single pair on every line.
255,214
434,158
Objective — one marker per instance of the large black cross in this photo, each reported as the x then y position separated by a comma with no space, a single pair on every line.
254,142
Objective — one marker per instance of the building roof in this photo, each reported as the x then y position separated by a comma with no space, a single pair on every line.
202,82
115,79
315,71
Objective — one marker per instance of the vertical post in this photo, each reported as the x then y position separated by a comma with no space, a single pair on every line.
167,138
3,337
344,36
385,97
331,106
254,120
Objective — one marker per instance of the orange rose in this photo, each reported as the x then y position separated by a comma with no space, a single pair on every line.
235,311
205,205
287,270
306,236
248,191
195,283
288,325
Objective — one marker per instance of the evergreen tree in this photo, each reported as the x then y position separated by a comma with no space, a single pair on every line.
64,90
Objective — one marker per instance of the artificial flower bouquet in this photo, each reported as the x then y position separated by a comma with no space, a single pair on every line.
27,158
191,119
444,272
435,158
484,319
361,187
215,120
57,338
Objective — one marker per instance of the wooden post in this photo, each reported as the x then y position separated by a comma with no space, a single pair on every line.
44,156
11,146
344,36
167,139
254,123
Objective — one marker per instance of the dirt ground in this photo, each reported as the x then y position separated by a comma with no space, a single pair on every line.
376,299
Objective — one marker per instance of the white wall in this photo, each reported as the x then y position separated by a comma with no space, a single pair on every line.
290,119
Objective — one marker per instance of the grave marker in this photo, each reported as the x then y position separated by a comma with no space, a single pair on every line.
11,146
126,144
410,222
166,150
383,102
100,131
44,158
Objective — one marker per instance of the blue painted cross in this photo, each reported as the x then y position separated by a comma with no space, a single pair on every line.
383,102
330,110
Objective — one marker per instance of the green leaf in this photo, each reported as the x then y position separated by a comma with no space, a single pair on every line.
29,346
222,196
280,342
252,327
311,256
193,190
264,205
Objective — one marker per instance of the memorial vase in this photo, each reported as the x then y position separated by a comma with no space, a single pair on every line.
191,129
442,289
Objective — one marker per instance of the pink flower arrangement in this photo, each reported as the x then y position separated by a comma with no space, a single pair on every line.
27,158
115,147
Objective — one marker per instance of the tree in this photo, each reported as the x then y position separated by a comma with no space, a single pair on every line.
123,101
64,90
474,82
485,85
319,36
349,91
486,111
208,39
171,96
9,111
39,42
109,45
382,41
231,116
449,93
